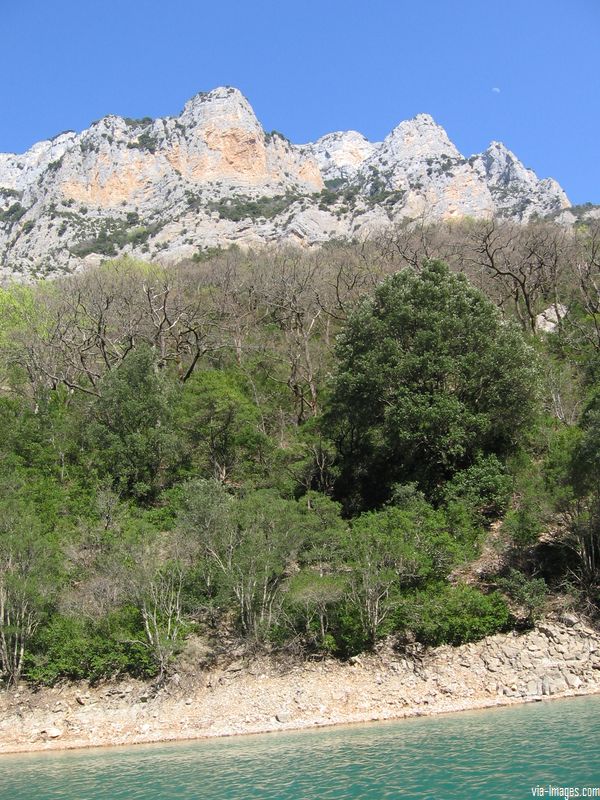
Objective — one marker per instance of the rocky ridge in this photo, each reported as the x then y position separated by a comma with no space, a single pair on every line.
173,187
560,658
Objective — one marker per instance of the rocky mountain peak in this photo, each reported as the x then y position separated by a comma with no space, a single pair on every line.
420,137
502,166
222,107
517,190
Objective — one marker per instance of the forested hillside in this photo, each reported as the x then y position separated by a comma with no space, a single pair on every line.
299,450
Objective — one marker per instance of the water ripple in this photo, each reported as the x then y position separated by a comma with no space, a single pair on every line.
499,754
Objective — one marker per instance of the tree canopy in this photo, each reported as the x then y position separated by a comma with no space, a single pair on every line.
429,377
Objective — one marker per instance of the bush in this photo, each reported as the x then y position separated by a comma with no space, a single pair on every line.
348,631
311,602
145,141
485,487
453,615
528,592
80,649
532,505
524,524
241,207
115,234
13,213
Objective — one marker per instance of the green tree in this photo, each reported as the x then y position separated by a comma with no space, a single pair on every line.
394,550
311,601
221,426
155,575
429,377
582,535
246,548
130,435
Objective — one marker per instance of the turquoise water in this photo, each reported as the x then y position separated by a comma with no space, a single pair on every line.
497,754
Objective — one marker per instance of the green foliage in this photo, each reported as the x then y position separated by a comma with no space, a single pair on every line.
586,460
145,141
524,524
5,191
241,207
484,487
528,592
244,547
562,467
17,307
531,506
137,122
82,649
140,503
276,135
29,578
349,632
13,213
327,198
428,380
221,424
270,533
399,549
311,605
111,235
453,615
206,254
130,436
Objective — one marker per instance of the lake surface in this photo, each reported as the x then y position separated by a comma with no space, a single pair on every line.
503,753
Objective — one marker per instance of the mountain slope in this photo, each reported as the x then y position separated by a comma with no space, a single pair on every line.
171,187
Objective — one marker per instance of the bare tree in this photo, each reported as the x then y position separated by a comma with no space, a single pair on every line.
87,324
588,279
525,264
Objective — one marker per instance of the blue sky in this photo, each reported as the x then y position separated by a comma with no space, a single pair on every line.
526,73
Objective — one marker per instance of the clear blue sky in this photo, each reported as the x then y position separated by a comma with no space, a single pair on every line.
313,66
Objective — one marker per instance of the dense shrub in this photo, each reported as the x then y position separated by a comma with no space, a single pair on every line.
13,213
454,615
241,207
82,649
529,592
485,487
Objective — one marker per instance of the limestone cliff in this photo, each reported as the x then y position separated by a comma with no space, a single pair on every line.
171,187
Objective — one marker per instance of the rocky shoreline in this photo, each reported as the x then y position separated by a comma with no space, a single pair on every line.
560,658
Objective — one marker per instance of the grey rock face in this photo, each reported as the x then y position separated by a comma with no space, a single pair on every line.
516,190
166,188
340,155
